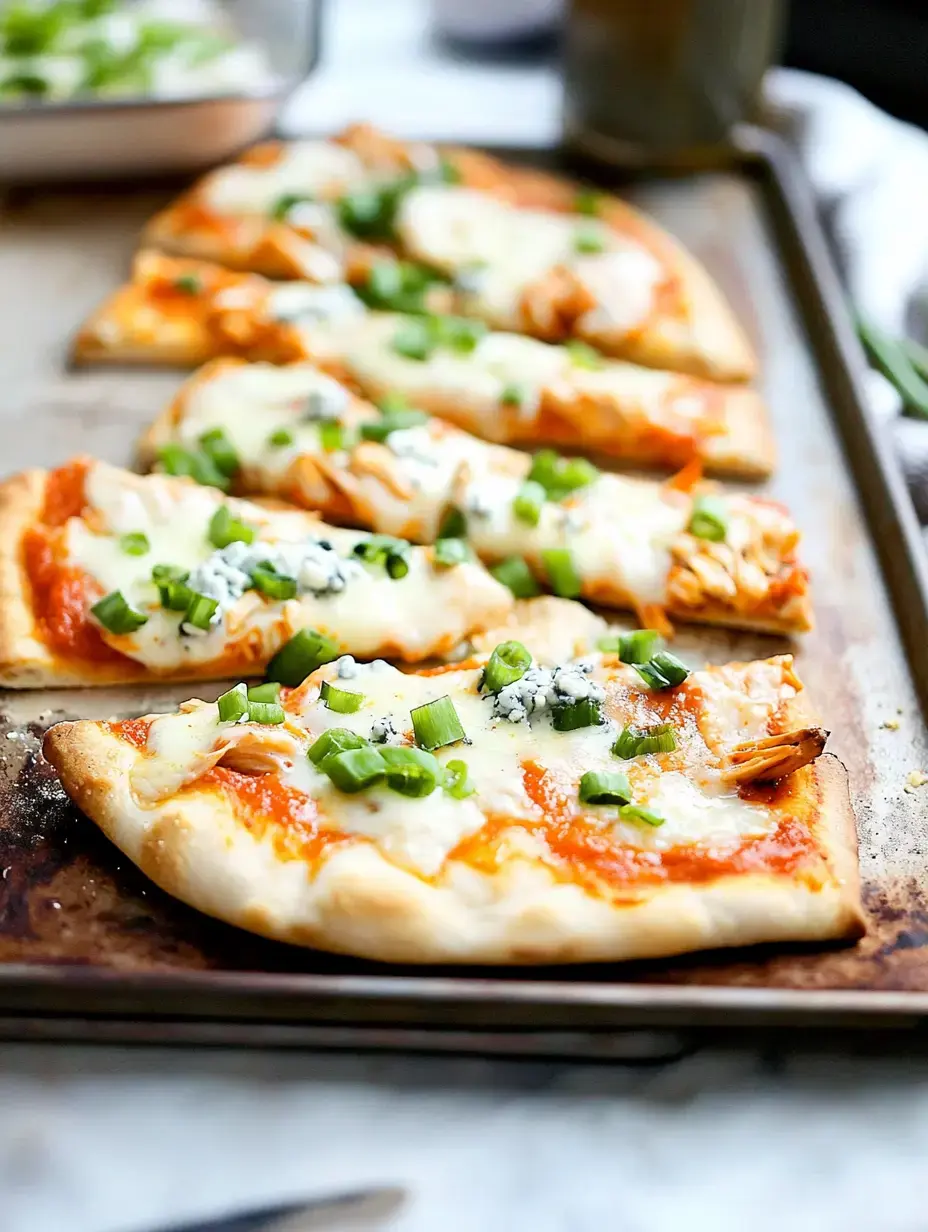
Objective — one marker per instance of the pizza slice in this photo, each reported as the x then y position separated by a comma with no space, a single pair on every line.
682,548
106,576
527,251
501,386
494,812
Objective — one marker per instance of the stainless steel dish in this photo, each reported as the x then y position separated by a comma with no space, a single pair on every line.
97,138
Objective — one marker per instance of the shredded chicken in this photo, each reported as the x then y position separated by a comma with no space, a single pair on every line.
774,757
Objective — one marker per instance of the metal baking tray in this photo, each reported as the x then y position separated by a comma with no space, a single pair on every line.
90,949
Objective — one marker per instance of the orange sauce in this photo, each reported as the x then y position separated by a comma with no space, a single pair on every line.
133,731
262,802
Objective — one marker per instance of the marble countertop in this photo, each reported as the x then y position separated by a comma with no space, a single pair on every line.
116,1140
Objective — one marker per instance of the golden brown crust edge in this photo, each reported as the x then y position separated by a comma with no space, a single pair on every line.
360,904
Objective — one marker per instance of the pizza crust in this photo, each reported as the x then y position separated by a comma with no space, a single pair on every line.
361,904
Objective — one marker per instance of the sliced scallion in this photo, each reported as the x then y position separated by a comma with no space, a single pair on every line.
385,550
453,524
200,611
461,334
662,671
508,663
411,772
638,646
335,740
135,543
264,704
635,812
305,651
391,421
515,573
225,528
587,201
513,395
171,582
174,459
709,519
588,240
582,355
415,339
220,450
331,435
639,741
342,701
353,770
280,438
457,784
267,581
574,715
189,284
285,203
562,572
450,552
115,614
436,724
233,705
560,476
529,502
605,787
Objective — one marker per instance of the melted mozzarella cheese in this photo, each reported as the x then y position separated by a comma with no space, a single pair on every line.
417,612
303,302
310,168
623,283
422,833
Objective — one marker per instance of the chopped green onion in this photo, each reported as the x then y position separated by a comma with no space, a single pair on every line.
414,339
354,769
233,705
331,435
639,741
587,201
220,450
515,573
342,701
264,704
190,284
197,465
411,772
709,519
588,240
335,740
399,286
605,787
634,812
200,611
304,652
583,713
562,572
560,476
392,402
529,502
582,355
224,529
171,583
391,421
135,543
450,552
457,784
461,334
508,663
370,213
635,647
453,524
266,580
513,395
436,724
385,550
662,671
280,438
115,614
284,204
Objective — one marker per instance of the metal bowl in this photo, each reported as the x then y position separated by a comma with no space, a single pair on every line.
95,138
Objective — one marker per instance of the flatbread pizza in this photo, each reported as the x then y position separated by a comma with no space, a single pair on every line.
106,576
527,251
501,386
494,812
682,549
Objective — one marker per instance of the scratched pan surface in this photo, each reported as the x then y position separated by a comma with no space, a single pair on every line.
83,934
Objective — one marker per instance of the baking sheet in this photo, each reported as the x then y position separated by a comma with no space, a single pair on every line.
83,933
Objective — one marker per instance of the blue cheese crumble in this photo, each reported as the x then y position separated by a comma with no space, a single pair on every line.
385,731
543,689
314,564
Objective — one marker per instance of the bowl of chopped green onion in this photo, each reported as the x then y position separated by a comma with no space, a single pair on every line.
92,88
